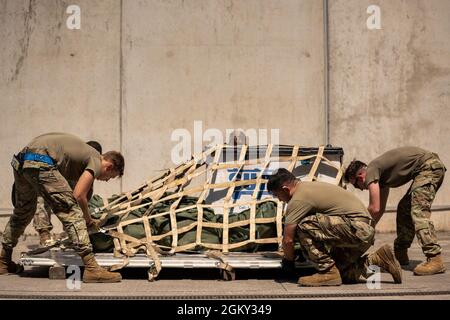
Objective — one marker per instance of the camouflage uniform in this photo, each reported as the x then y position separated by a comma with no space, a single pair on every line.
49,183
342,240
414,209
42,217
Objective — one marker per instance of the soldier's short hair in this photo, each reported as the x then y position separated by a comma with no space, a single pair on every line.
116,158
279,179
352,169
96,145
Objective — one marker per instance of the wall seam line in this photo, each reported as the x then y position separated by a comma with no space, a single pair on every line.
121,89
326,75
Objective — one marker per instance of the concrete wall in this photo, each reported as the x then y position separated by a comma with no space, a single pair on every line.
391,87
56,79
137,70
229,64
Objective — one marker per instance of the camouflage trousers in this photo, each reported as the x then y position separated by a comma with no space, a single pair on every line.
337,240
42,217
56,192
414,209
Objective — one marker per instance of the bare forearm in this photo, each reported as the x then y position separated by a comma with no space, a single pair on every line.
288,241
377,200
375,213
82,202
81,191
289,251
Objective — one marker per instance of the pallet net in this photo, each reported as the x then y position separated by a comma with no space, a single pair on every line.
195,187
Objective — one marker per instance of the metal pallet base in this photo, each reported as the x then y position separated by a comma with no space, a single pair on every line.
57,257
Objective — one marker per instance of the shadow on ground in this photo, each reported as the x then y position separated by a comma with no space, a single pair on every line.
188,274
412,264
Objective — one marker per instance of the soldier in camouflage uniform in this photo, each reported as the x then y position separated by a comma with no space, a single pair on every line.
42,218
393,169
43,168
334,228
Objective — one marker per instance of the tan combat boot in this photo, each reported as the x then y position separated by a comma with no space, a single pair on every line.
94,273
332,277
385,259
433,265
6,264
45,238
402,256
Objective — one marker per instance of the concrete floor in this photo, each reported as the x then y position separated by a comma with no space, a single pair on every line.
205,284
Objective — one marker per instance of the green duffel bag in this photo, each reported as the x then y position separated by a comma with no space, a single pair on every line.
263,230
161,225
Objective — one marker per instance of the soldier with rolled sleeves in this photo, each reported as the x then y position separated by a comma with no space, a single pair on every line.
334,229
43,168
394,169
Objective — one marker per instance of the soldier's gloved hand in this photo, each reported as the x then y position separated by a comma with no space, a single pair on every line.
288,267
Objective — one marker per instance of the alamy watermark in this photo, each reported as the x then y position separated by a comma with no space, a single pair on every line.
373,281
188,144
73,22
373,22
73,281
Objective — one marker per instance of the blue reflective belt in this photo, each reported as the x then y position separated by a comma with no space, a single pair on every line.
38,158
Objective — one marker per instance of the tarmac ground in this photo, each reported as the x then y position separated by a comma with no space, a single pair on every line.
34,282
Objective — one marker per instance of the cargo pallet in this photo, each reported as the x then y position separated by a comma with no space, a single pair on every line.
224,197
